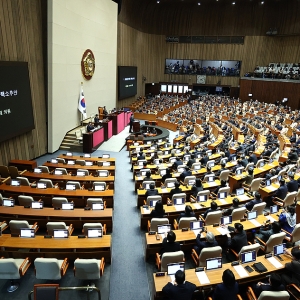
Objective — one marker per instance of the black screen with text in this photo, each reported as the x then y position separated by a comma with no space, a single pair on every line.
16,115
127,82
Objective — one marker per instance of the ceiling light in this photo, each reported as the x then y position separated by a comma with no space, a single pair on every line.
199,3
233,3
262,2
157,1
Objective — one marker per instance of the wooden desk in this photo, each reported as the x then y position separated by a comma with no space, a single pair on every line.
77,217
71,247
92,140
112,160
78,196
23,164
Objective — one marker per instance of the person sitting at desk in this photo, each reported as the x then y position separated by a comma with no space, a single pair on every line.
292,185
274,285
228,289
257,199
96,121
177,163
223,168
252,157
152,191
223,184
148,176
235,205
213,207
191,161
167,175
186,172
176,189
287,219
270,174
105,111
158,211
180,289
90,127
239,240
281,192
141,155
169,243
265,232
292,274
248,179
209,241
188,213
196,188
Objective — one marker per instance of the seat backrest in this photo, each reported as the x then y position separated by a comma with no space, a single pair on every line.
44,169
225,189
16,225
224,160
87,226
9,269
80,162
99,183
258,162
58,201
23,181
87,269
185,222
209,252
47,268
213,217
179,196
48,183
86,172
280,295
90,201
146,184
259,207
255,184
62,170
13,171
295,234
25,200
170,180
78,134
238,213
157,221
55,225
60,160
249,248
289,199
102,172
76,183
204,193
273,240
224,175
169,258
4,172
153,198
209,162
189,179
249,165
206,177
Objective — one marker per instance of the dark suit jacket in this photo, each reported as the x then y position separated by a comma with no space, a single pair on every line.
183,291
176,164
151,193
253,158
165,177
223,292
238,241
175,191
292,274
249,205
292,186
184,174
155,214
281,192
195,190
200,244
169,247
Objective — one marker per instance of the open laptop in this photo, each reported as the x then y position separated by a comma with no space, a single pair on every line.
136,144
170,184
261,164
141,163
37,170
86,155
102,174
210,178
98,206
58,172
252,215
148,142
37,204
8,202
152,148
178,201
94,232
268,182
240,191
80,173
209,153
67,206
162,229
238,172
226,220
41,185
106,156
152,203
163,172
191,182
166,152
180,170
196,225
60,233
99,188
70,187
27,233
212,164
143,173
279,178
213,263
173,268
187,157
279,249
71,162
147,186
15,182
88,163
222,195
247,257
202,198
233,158
172,160
273,209
197,167
106,164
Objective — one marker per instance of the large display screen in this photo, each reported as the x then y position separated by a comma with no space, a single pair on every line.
202,67
127,82
16,115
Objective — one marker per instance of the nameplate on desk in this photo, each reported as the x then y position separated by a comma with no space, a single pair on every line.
184,229
151,233
199,269
215,224
159,274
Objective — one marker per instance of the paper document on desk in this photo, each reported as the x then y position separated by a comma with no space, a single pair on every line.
255,223
179,207
146,210
139,178
223,201
275,262
271,219
172,277
243,197
241,271
197,231
271,188
164,190
202,277
222,230
197,206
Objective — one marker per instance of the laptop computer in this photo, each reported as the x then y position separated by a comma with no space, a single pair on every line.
196,225
41,185
163,172
86,155
88,163
106,164
173,268
178,201
58,172
226,220
80,173
141,163
102,174
67,206
233,158
261,164
180,170
152,203
279,177
197,167
279,249
99,188
37,204
106,156
152,148
212,164
268,182
213,263
37,170
238,172
161,229
273,209
94,232
211,179
27,233
252,215
143,173
170,184
147,186
71,162
98,206
148,142
136,144
166,152
222,195
247,257
209,153
240,191
172,160
60,233
70,187
191,182
202,198
15,182
187,157
8,202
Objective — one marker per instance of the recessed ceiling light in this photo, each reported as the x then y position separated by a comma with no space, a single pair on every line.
262,2
233,3
199,3
157,1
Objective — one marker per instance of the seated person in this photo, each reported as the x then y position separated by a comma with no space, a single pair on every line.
188,213
176,189
180,289
257,199
90,127
270,174
167,175
248,179
228,289
152,191
141,155
191,161
197,187
213,207
223,168
186,172
148,176
235,204
223,184
96,120
239,240
209,241
292,269
209,171
274,284
169,243
287,219
158,211
177,163
266,231
105,111
292,185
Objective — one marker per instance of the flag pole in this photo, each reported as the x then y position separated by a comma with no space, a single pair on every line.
81,116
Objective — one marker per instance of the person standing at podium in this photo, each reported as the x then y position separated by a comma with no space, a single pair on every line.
131,120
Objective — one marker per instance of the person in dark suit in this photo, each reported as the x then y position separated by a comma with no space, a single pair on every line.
265,232
281,191
223,168
292,274
188,213
131,120
213,207
287,219
273,285
167,175
96,120
196,188
257,199
235,205
152,191
158,211
176,189
181,289
228,289
239,240
90,127
293,155
186,172
191,161
223,184
169,243
244,161
248,179
209,241
148,176
252,157
270,174
141,155
292,185
177,163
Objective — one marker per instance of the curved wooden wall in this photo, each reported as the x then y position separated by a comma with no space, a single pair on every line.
21,40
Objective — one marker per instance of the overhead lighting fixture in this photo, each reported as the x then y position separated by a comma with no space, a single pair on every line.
157,1
199,3
233,3
262,2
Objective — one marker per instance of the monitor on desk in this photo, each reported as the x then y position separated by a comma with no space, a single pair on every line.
152,148
147,186
170,184
106,164
138,149
261,164
222,195
247,257
58,172
102,174
209,153
143,173
37,204
202,198
172,160
15,182
226,220
268,182
233,158
213,263
161,229
69,154
27,233
240,191
106,156
41,185
196,225
178,201
54,161
60,233
159,141
187,157
80,173
37,170
71,162
238,171
70,187
67,206
279,177
148,142
173,268
273,209
163,172
152,154
212,164
166,152
252,215
279,249
8,202
88,163
197,167
191,182
271,160
98,206
99,187
94,232
87,155
152,203
211,178
180,170
178,151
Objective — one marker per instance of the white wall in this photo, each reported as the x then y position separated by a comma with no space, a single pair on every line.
73,27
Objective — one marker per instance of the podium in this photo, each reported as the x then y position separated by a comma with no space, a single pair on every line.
136,127
108,129
92,140
118,122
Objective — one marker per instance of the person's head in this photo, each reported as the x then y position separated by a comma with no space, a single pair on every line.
210,238
168,171
228,278
291,210
238,227
148,174
208,168
296,252
96,115
276,227
257,196
159,206
291,175
152,186
188,210
250,171
187,168
223,183
177,184
275,279
198,182
171,236
144,164
273,172
235,202
223,164
213,205
192,156
177,158
282,181
179,277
